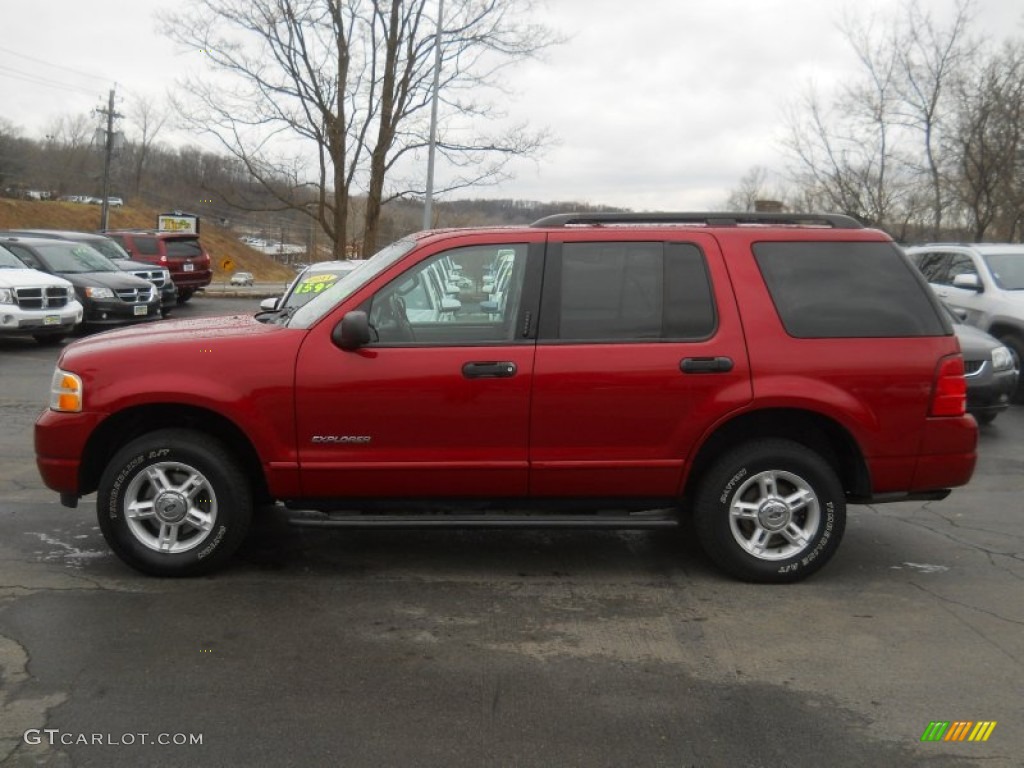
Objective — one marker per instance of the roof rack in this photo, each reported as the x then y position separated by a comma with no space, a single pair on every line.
834,220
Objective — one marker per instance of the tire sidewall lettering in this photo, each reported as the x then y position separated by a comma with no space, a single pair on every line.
209,548
727,491
127,473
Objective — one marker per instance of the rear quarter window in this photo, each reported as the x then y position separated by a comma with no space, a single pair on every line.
847,290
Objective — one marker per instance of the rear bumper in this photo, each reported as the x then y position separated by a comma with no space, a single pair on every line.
948,453
191,281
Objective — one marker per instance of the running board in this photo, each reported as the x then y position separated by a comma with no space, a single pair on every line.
494,521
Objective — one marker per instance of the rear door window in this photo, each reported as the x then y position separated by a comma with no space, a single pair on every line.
631,291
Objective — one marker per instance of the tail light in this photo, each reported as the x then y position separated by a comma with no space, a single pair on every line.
949,391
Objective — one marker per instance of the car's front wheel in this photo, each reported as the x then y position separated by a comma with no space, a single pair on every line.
770,511
174,502
1015,344
49,339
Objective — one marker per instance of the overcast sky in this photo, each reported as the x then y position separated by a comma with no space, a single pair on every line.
655,104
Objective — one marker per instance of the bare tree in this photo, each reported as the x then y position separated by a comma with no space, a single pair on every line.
989,143
325,99
148,119
9,162
70,162
930,58
844,158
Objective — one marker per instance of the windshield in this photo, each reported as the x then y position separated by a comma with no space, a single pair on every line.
322,303
312,282
9,261
109,248
1007,270
74,257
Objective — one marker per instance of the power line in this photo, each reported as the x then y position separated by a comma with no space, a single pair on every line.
74,70
35,79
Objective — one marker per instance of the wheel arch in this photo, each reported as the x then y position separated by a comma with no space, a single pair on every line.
126,425
831,440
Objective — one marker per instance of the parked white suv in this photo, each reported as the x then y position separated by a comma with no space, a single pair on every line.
34,303
984,283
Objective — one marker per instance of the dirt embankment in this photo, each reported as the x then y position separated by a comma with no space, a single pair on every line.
219,243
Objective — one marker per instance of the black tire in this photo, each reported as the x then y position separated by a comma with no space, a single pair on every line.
183,296
49,339
985,418
793,514
1016,346
196,521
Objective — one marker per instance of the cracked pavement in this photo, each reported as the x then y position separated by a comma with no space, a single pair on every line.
510,648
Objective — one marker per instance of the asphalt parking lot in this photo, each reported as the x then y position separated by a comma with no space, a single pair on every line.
382,648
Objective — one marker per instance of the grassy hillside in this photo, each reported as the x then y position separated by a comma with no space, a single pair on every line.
219,243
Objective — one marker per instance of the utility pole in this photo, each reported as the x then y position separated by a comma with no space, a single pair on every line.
108,150
428,201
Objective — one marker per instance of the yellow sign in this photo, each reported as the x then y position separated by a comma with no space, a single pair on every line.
227,264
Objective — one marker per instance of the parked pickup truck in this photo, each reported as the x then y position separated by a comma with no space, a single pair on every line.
33,303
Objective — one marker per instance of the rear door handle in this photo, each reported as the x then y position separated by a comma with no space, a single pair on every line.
706,364
488,370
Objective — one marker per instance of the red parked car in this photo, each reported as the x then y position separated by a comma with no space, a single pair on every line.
181,253
755,371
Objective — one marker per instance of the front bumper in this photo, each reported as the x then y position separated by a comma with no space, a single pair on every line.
989,391
168,295
16,320
60,440
109,312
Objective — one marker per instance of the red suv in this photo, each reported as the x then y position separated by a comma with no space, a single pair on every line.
182,254
755,371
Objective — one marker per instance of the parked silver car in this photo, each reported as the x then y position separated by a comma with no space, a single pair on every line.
984,284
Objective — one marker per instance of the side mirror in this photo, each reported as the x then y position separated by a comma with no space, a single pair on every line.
268,305
352,332
968,280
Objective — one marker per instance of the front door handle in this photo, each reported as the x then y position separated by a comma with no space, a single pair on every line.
488,370
706,364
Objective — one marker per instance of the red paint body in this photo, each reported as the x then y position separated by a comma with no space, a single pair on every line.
576,420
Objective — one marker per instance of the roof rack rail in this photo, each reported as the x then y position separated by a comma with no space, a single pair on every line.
834,220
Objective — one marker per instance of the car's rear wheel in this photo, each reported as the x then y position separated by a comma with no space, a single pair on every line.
174,502
770,511
184,296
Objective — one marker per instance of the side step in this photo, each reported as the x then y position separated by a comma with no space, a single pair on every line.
643,520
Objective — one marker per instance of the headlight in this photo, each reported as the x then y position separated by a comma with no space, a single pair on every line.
65,392
99,293
167,275
6,296
1002,359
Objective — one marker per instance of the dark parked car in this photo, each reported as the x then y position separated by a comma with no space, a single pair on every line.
990,368
110,297
158,276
